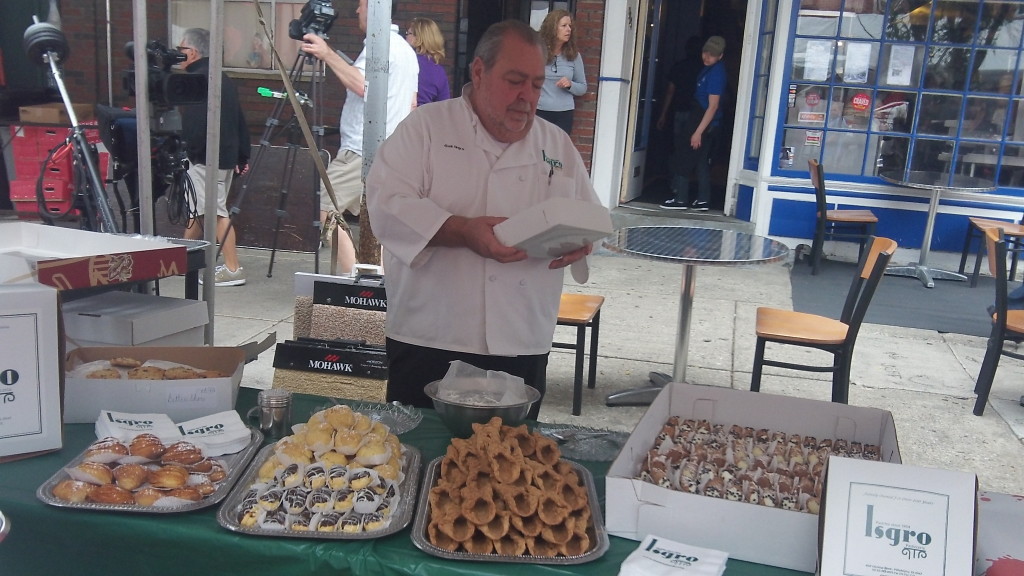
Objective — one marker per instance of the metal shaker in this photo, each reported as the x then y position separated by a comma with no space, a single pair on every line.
272,413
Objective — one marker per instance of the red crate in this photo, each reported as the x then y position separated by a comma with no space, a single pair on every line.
53,208
53,190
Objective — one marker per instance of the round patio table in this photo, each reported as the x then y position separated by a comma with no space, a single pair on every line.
691,247
937,183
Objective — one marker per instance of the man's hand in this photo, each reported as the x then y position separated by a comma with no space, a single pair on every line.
477,234
242,168
316,46
574,256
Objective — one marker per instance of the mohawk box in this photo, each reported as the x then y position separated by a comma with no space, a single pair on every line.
882,519
749,532
66,258
336,368
181,400
30,370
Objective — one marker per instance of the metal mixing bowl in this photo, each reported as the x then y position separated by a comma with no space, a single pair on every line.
460,417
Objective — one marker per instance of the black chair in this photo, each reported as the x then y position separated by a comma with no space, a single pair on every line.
820,332
1006,324
976,228
835,224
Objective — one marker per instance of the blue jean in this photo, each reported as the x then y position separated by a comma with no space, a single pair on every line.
690,161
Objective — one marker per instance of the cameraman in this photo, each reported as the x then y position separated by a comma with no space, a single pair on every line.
345,171
233,157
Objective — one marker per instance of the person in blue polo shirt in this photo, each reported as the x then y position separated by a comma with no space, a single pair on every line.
702,125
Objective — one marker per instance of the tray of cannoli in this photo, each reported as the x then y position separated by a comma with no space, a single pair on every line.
506,495
342,475
146,475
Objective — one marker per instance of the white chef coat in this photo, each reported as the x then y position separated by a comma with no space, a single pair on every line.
442,162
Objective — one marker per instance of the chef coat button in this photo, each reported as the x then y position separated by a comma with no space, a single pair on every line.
522,178
522,282
492,278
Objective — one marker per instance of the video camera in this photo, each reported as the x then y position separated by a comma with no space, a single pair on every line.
317,17
166,88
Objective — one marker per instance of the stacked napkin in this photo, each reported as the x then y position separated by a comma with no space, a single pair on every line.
658,556
217,434
124,426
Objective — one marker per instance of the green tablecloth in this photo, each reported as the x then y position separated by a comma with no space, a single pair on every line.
51,540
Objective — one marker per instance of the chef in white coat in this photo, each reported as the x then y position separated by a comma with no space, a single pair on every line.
438,186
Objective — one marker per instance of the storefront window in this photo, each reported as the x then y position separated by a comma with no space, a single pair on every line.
759,101
875,84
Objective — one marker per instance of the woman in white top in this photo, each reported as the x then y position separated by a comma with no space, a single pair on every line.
564,76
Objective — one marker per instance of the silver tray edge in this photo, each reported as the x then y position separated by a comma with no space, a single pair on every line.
419,527
237,463
402,517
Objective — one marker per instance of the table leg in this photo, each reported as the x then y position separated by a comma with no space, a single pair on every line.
644,395
920,269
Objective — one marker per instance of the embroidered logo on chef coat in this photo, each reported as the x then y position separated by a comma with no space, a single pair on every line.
552,162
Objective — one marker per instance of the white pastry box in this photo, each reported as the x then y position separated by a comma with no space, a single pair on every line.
773,536
181,400
882,519
30,370
555,227
130,319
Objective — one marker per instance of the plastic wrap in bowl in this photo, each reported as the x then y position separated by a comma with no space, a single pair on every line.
460,415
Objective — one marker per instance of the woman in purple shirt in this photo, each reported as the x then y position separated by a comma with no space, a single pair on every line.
425,38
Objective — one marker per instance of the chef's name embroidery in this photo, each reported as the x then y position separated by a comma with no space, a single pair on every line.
460,148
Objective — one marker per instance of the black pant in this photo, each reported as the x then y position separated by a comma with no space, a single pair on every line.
411,368
561,119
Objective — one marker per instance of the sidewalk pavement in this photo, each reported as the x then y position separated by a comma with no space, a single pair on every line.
926,379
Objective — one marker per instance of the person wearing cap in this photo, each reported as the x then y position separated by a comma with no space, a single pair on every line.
702,125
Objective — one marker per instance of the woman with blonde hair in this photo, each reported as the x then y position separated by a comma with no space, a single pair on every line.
564,76
425,38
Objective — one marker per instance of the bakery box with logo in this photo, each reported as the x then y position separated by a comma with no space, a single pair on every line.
337,368
30,370
882,519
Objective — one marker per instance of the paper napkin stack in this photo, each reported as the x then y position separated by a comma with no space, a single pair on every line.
658,556
221,433
125,426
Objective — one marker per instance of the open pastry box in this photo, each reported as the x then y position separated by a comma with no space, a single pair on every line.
67,258
750,532
181,400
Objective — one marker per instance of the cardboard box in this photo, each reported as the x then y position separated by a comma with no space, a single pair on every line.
56,113
881,519
555,227
180,399
30,370
66,258
785,538
130,319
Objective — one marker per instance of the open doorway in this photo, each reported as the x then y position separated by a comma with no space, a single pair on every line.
670,26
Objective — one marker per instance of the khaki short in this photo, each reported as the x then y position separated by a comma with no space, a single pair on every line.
346,175
197,173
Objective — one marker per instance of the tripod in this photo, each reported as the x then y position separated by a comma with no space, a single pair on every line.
273,121
46,44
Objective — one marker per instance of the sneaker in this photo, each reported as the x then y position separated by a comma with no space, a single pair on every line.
673,204
699,206
224,277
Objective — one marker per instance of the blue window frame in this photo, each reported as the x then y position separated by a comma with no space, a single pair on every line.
762,75
875,85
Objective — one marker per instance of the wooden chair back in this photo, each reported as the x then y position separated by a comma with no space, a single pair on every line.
864,284
995,242
818,181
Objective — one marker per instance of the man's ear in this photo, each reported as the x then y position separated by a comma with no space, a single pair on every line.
476,70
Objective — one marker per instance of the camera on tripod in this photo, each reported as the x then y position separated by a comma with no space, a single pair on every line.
317,17
166,87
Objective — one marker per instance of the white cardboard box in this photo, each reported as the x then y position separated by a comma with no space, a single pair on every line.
882,519
67,258
555,227
180,399
30,370
773,536
130,319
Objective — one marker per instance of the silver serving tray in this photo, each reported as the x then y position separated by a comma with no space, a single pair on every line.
234,463
400,518
596,531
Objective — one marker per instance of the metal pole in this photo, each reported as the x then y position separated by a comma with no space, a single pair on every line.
142,116
212,156
378,46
